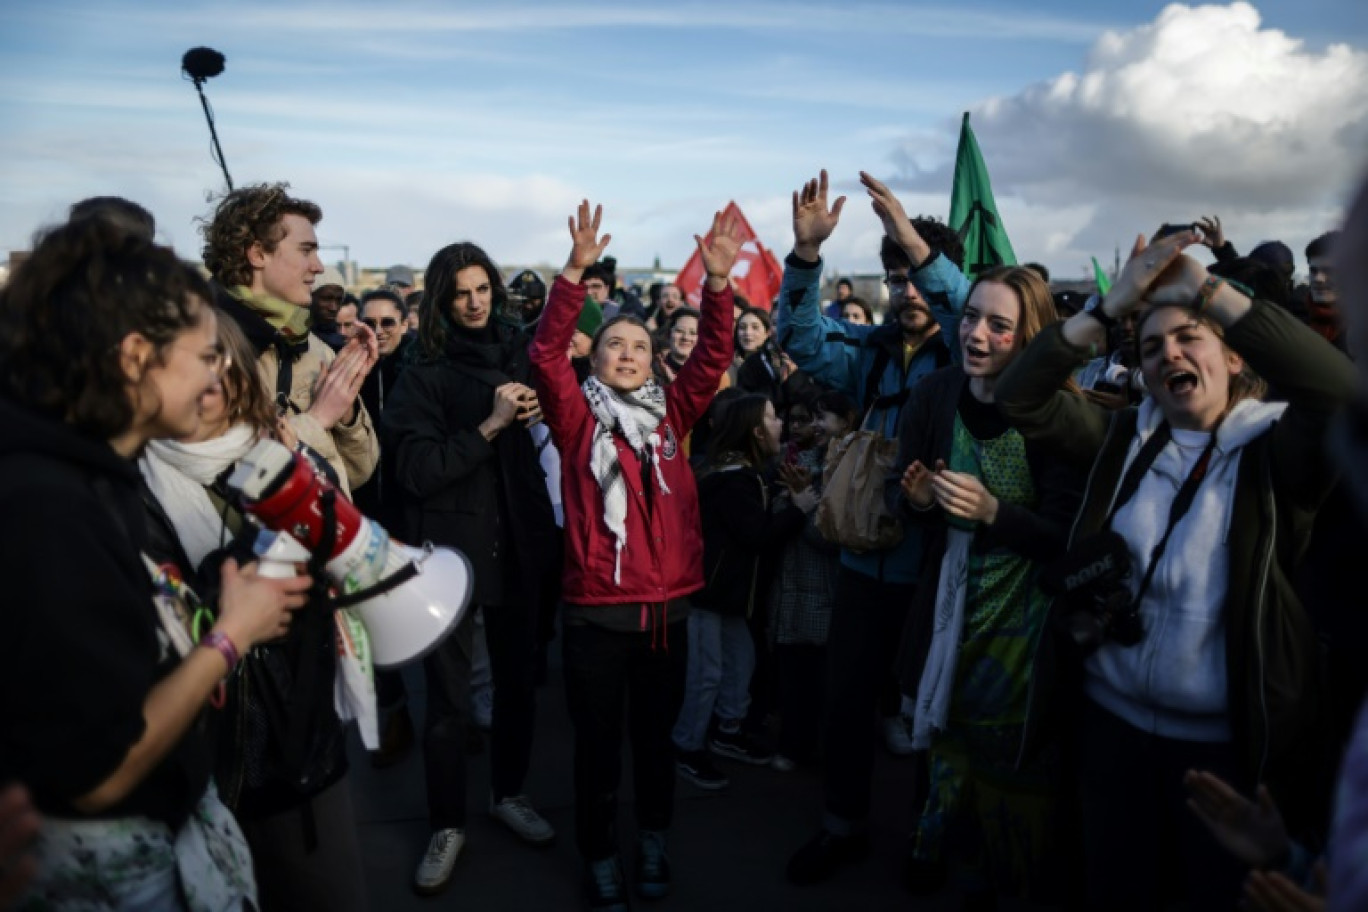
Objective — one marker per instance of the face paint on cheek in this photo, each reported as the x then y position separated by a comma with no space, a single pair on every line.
1005,340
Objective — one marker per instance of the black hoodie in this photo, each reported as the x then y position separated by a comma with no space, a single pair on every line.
80,642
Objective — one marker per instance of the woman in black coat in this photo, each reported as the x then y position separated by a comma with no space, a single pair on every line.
469,478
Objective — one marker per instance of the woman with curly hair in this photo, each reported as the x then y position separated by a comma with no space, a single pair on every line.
106,342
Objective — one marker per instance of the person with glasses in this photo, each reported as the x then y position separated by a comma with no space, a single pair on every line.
110,341
878,366
383,312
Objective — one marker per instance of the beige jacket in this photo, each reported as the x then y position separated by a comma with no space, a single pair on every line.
353,450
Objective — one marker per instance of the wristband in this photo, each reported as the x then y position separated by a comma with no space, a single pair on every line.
220,642
1093,308
1206,293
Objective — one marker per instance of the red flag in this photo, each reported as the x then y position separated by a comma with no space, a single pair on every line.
757,273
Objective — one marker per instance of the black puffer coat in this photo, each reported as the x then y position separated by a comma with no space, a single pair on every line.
487,499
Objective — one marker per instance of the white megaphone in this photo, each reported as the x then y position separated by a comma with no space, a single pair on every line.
410,599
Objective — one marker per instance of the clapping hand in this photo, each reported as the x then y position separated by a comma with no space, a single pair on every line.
813,221
962,495
794,478
916,484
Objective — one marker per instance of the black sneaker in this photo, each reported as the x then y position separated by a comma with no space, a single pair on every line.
653,866
696,767
740,745
604,889
821,857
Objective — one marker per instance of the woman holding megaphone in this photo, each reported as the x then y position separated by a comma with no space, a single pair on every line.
106,342
281,760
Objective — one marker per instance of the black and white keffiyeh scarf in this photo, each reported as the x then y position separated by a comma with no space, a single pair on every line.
636,416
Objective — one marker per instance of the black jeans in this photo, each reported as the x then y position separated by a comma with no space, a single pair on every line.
605,672
1139,837
802,684
510,635
447,671
866,631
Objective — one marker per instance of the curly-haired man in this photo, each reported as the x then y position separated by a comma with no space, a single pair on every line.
261,248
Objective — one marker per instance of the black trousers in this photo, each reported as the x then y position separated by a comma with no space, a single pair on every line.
510,635
291,873
1140,840
862,643
607,673
802,687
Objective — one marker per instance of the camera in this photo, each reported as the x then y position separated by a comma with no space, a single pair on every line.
1091,581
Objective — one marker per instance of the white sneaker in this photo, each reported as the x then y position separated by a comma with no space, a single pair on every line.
434,871
898,735
516,813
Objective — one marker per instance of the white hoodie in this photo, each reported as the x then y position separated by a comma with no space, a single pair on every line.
1173,682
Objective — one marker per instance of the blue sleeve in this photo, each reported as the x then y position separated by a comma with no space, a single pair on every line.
945,288
830,351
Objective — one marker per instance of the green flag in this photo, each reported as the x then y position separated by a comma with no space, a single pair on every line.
973,213
1103,283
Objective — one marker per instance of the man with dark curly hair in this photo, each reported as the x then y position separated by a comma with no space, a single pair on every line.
261,248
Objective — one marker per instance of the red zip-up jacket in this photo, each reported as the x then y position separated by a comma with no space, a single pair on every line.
663,558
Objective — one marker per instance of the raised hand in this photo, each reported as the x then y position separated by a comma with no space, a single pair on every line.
1212,235
813,221
964,496
1145,267
586,245
1253,833
719,250
896,224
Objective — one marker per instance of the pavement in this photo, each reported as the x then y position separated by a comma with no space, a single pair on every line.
728,849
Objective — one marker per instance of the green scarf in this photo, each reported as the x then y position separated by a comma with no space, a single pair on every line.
290,320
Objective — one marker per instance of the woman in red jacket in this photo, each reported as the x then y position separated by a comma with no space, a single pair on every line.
634,547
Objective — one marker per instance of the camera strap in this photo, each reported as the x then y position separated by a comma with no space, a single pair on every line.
1182,501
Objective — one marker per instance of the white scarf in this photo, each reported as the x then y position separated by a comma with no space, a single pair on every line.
636,416
938,674
178,473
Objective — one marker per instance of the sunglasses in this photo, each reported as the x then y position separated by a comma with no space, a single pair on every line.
382,323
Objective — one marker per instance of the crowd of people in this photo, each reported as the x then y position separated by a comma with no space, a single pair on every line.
1086,564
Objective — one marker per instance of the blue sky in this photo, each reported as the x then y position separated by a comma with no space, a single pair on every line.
418,124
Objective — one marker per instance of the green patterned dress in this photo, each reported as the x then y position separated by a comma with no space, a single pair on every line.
982,811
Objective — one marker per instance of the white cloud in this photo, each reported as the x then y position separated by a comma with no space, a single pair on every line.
1202,110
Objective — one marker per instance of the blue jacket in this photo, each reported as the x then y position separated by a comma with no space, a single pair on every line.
842,356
